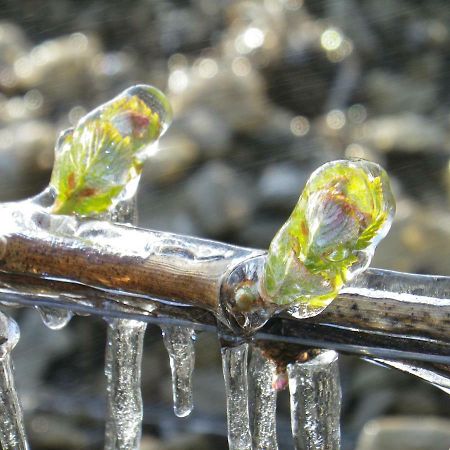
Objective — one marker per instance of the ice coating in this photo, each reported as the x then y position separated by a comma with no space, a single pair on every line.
12,432
264,401
70,248
99,162
179,342
315,402
344,211
234,364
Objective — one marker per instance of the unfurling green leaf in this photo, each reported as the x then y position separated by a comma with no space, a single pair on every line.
345,209
100,160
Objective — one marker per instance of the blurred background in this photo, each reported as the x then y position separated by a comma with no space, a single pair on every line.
263,93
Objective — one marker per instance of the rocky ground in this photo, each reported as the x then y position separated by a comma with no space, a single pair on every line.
263,93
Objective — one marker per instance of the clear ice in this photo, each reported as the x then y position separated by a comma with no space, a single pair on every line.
123,374
179,342
315,402
263,401
12,431
55,318
234,364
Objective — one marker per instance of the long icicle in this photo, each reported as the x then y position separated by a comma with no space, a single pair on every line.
234,364
315,402
264,401
179,342
123,361
123,374
12,431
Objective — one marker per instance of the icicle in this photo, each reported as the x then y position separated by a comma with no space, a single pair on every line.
264,403
123,364
315,402
234,364
179,342
12,432
123,373
54,318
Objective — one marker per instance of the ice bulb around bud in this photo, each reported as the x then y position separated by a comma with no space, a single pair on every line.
344,211
99,162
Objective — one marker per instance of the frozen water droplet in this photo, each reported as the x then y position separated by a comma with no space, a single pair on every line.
315,402
234,364
179,342
264,401
54,318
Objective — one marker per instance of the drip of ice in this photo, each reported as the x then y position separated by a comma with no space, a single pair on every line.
55,318
264,401
234,364
315,402
179,342
123,373
12,431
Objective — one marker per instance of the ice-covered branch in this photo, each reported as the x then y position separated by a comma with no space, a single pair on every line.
141,269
